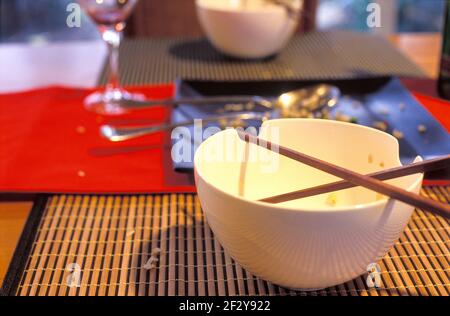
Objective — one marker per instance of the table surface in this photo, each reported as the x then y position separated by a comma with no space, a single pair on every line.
423,49
31,66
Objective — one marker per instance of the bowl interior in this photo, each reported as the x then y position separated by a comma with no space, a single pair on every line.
251,172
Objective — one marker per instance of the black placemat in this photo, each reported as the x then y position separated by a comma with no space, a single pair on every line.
337,54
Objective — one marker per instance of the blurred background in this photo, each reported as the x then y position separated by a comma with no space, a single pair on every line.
41,21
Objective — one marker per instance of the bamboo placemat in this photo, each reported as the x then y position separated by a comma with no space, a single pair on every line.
109,239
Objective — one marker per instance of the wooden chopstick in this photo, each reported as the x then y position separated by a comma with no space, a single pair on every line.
397,172
353,177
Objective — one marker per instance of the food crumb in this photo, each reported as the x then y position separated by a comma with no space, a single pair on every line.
151,262
370,158
382,164
342,117
422,128
397,134
81,173
156,251
382,126
130,232
81,129
331,199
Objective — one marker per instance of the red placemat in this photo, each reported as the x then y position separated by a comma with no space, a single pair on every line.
50,143
439,108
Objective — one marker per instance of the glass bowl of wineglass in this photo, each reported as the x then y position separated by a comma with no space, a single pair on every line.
110,17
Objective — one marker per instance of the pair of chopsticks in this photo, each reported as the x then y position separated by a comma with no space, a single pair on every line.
352,179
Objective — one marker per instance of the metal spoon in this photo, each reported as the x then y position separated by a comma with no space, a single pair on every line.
311,98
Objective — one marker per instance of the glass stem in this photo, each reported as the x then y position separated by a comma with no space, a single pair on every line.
112,37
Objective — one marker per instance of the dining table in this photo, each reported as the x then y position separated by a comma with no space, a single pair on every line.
423,49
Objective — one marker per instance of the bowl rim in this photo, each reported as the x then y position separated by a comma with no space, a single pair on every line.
331,209
260,10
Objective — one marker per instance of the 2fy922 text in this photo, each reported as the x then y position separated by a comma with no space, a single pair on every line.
226,305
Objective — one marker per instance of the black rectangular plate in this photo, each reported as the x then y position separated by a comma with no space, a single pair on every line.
368,100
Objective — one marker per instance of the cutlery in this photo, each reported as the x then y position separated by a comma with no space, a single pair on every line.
312,99
117,134
291,104
352,176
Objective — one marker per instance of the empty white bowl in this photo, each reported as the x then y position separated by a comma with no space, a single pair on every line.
247,29
314,242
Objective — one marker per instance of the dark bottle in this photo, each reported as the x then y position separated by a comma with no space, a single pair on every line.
444,74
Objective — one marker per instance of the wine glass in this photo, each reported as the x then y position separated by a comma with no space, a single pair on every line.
110,17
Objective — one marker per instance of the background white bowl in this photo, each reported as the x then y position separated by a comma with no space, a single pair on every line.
258,31
304,243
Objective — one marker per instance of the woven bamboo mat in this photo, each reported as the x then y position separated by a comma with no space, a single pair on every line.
107,240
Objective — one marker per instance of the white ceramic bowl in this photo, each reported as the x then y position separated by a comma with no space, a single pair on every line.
256,31
307,243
